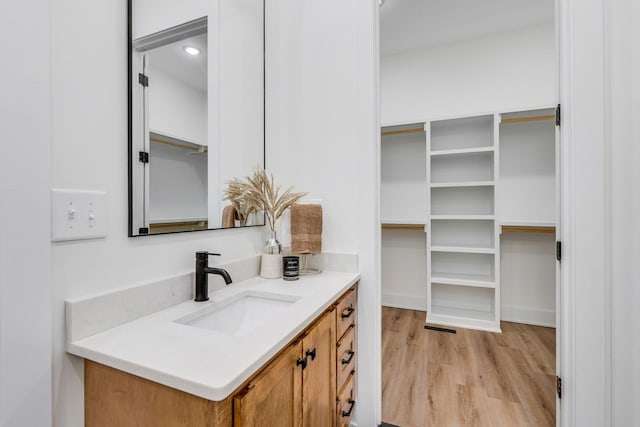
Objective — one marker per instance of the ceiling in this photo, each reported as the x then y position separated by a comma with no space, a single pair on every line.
412,24
173,60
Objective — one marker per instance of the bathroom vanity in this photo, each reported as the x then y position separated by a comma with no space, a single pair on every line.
259,352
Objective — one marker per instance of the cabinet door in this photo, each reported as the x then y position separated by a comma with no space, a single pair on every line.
274,397
319,377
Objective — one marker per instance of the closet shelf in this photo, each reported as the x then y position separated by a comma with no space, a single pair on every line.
459,279
527,119
541,227
463,249
462,151
527,229
461,318
402,131
403,224
403,221
463,184
464,217
407,227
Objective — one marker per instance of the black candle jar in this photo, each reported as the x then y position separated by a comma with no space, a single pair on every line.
290,267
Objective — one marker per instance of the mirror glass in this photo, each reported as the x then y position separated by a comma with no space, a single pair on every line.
196,103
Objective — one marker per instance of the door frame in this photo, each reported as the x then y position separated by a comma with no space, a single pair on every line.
585,294
585,350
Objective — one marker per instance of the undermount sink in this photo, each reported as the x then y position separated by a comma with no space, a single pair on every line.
240,314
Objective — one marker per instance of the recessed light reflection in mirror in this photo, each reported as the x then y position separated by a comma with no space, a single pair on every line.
192,50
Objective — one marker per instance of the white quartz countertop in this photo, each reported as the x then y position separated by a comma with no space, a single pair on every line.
209,363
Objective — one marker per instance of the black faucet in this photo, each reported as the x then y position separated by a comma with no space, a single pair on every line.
202,275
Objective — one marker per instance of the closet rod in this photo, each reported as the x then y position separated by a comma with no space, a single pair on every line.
528,229
402,131
174,144
528,119
416,227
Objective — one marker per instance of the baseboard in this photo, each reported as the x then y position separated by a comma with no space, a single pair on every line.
409,302
528,316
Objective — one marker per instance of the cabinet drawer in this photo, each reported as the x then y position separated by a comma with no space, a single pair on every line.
346,360
346,313
346,402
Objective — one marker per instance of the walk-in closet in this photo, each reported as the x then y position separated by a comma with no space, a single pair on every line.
469,205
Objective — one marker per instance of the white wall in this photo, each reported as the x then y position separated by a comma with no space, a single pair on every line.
25,254
322,138
151,16
635,176
177,184
621,25
404,269
496,72
240,116
528,278
177,109
90,152
403,176
527,189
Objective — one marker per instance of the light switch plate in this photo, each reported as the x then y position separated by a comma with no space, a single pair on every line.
78,215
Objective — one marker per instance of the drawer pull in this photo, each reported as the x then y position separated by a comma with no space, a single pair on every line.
348,360
311,354
348,413
347,312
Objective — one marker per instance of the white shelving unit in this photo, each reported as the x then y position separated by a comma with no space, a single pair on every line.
461,198
463,263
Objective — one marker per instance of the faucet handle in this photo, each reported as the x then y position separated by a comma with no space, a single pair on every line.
205,253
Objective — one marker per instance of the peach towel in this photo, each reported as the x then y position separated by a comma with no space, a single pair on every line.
229,217
306,229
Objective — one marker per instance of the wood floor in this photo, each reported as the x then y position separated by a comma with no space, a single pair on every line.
470,378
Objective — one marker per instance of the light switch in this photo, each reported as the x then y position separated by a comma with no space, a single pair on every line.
78,215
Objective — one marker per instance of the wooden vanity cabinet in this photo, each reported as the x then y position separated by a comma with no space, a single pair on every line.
297,388
274,396
116,398
346,356
318,379
310,383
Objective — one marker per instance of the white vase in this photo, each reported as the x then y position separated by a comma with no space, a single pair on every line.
271,267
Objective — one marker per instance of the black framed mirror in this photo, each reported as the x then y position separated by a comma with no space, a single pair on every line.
196,111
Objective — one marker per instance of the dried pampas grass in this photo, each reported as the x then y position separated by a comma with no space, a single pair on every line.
259,192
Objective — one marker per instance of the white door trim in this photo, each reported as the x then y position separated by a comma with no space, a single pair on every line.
585,293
